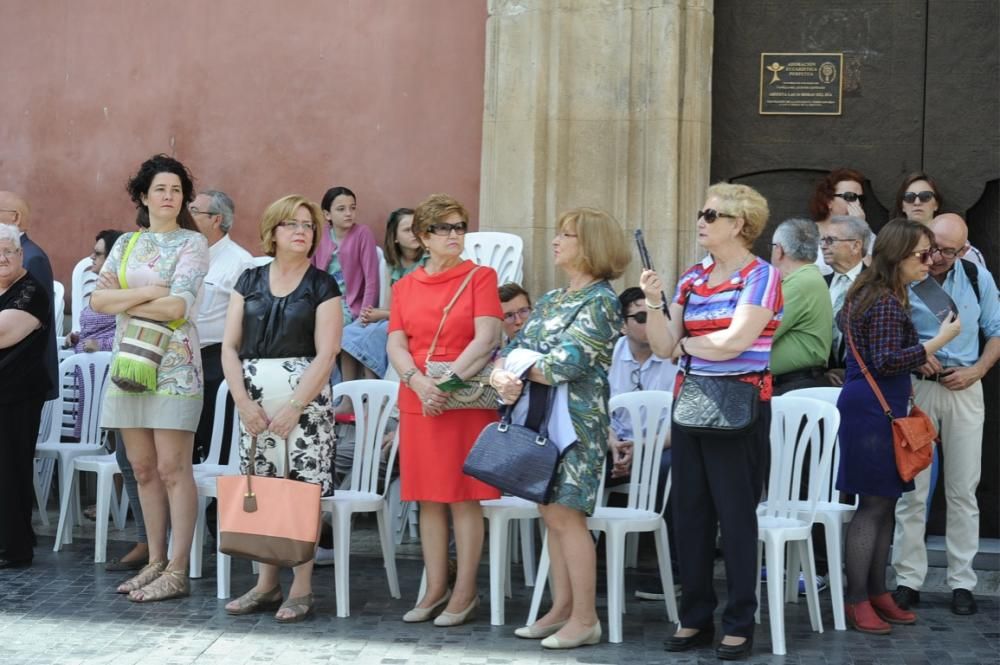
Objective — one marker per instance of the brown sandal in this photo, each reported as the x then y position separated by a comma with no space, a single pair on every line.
170,584
254,601
301,607
148,573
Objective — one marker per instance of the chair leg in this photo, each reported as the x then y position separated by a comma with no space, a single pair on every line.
540,580
507,553
498,567
342,559
43,514
527,527
223,569
666,572
614,542
64,527
834,543
67,476
105,492
198,541
385,531
805,549
775,595
794,565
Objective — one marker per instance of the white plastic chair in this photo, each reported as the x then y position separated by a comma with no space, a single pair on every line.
383,279
504,252
648,411
803,431
94,371
59,306
106,467
373,401
500,514
832,514
82,283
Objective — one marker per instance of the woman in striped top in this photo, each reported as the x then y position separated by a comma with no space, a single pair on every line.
722,320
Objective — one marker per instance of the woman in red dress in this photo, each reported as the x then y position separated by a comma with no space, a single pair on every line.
434,443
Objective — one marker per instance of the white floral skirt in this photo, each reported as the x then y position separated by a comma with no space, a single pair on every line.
271,382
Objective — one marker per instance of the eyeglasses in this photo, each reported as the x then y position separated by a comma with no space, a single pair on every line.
293,226
636,377
924,196
710,215
522,313
851,197
445,229
826,241
948,252
95,254
9,253
7,210
923,255
195,211
640,317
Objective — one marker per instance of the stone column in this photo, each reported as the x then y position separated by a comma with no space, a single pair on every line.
604,103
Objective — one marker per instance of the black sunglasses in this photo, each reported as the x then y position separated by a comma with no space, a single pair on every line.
640,317
924,196
446,229
711,215
851,197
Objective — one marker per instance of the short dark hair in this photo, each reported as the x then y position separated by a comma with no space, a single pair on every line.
393,252
109,236
826,188
897,211
511,290
332,194
139,184
629,296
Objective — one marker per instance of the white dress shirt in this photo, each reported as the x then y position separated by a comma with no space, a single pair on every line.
226,262
655,374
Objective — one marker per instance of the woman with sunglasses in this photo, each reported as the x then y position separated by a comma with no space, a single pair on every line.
435,442
722,321
919,199
281,340
840,193
876,317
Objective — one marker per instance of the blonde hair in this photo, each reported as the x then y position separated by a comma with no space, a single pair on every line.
284,209
433,209
744,202
604,251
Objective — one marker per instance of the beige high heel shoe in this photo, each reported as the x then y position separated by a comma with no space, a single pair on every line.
420,614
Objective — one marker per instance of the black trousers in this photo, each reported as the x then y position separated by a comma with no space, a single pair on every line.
718,482
19,424
211,363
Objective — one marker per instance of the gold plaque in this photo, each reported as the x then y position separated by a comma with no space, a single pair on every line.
801,83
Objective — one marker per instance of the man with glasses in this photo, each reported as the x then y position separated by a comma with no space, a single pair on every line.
516,305
634,366
949,390
844,250
213,213
14,210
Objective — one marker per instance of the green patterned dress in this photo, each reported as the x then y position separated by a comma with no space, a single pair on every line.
576,333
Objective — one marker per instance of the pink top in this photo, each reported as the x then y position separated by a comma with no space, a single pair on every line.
358,260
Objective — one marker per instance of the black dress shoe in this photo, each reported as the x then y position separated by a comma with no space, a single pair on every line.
962,602
702,638
735,652
905,597
14,563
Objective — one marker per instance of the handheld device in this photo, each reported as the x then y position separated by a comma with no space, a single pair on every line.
647,264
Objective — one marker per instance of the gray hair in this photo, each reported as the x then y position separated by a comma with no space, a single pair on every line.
857,228
12,233
221,205
799,238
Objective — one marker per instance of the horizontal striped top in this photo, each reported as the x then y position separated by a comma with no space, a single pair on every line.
709,309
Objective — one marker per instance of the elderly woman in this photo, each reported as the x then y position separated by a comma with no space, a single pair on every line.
876,316
281,341
573,330
155,273
839,193
722,321
435,442
24,306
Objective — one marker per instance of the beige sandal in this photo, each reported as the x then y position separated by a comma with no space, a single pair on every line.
254,601
301,607
170,584
148,573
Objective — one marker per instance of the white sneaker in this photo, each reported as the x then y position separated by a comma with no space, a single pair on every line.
324,556
821,584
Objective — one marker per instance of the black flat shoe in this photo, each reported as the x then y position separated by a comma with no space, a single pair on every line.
737,652
962,602
905,597
117,565
14,563
702,638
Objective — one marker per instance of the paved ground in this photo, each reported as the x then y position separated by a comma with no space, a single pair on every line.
63,610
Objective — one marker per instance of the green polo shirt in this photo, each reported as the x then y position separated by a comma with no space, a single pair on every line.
806,332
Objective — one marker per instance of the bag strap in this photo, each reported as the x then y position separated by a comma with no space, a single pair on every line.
864,368
252,463
124,264
540,403
447,309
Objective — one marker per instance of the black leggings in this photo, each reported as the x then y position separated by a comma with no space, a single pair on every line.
867,542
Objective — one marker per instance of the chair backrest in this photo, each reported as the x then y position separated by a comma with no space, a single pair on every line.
649,413
94,379
262,260
374,401
803,432
81,285
828,485
219,428
504,252
59,306
384,288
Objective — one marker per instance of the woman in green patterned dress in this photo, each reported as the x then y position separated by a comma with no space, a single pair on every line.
574,329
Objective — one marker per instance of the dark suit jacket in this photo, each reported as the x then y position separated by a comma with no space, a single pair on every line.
838,356
36,261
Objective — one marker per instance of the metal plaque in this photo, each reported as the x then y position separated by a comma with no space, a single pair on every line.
801,83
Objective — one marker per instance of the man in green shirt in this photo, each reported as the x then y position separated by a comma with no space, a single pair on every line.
802,342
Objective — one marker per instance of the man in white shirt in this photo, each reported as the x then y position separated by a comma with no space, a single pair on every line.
844,250
213,212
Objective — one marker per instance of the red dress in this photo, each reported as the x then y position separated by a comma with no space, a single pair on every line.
432,450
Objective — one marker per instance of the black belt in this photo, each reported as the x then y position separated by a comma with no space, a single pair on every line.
795,375
937,376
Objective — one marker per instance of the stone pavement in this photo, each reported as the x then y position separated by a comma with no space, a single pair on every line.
63,610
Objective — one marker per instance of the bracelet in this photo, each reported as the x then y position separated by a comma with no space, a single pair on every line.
408,375
296,404
657,306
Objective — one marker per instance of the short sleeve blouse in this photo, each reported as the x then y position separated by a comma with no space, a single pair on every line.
21,366
281,327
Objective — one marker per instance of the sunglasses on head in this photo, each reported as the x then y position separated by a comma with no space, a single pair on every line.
710,215
924,196
851,197
640,317
442,229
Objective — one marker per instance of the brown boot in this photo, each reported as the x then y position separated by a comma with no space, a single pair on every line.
862,617
886,608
